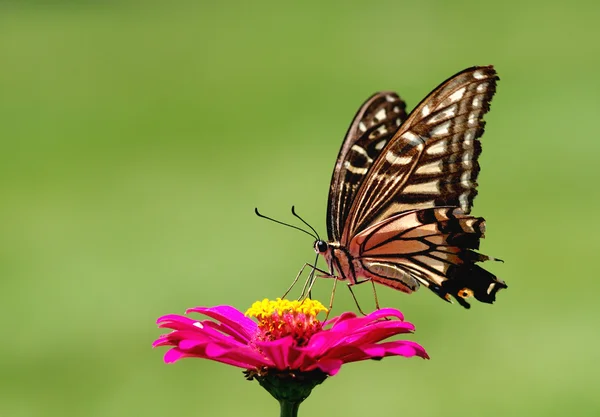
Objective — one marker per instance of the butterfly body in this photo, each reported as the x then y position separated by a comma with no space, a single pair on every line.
402,190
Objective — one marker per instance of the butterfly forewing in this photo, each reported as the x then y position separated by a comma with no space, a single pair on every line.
431,160
372,128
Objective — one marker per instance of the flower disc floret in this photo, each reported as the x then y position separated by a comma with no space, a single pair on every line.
266,308
280,318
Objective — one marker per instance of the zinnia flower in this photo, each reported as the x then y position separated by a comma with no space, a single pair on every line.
289,351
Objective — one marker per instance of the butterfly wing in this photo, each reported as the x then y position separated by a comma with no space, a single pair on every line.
372,128
431,161
408,223
433,247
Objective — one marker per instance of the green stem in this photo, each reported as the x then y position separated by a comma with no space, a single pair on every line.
289,408
289,387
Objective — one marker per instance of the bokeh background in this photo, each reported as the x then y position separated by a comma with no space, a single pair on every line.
137,138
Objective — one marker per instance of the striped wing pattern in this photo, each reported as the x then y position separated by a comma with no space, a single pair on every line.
432,159
372,128
399,207
432,247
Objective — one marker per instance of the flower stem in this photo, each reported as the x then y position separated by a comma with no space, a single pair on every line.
289,408
289,387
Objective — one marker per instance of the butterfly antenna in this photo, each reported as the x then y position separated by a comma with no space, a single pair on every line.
288,225
306,223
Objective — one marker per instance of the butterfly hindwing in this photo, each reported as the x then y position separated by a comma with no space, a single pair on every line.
373,126
431,161
433,247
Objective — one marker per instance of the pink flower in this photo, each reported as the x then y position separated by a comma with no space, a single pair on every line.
288,337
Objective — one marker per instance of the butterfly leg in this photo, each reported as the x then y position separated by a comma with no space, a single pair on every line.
331,298
312,279
374,294
309,282
314,268
295,280
354,297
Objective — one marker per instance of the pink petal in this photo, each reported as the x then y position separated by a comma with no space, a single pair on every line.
377,332
385,312
228,330
176,355
297,357
359,330
326,340
405,348
180,337
278,351
344,316
163,341
173,355
330,366
373,351
349,325
187,328
347,354
246,355
223,352
189,345
209,332
175,322
234,319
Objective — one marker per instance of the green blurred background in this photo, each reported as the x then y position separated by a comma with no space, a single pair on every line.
137,138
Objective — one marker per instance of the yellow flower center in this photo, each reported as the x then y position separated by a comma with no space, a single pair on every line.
281,318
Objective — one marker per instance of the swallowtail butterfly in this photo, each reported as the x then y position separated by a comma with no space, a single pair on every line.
402,190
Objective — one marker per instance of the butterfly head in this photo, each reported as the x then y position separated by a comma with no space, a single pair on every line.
325,249
321,246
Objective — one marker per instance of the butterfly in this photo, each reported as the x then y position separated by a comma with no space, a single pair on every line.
402,190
